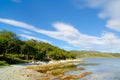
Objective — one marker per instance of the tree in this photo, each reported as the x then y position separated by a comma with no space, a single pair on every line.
12,46
28,49
8,41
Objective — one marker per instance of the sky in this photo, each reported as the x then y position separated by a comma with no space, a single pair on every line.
68,24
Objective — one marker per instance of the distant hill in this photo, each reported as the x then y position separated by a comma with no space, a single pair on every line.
95,54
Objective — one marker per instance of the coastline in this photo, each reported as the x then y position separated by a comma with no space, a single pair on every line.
21,71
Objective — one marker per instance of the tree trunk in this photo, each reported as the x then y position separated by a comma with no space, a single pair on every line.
6,51
27,57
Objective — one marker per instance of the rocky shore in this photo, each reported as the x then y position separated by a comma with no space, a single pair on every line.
29,72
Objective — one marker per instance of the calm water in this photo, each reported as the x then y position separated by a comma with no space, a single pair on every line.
108,69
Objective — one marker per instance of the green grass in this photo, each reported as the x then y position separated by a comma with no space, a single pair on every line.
95,54
3,63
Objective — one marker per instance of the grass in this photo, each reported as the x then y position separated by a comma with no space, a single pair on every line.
3,63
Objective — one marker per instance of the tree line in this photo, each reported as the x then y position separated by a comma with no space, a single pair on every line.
12,47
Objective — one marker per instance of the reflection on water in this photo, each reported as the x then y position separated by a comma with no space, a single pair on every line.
108,69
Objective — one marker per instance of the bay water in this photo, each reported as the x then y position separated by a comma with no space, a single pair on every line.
106,69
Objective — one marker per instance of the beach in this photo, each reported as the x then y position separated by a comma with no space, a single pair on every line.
20,72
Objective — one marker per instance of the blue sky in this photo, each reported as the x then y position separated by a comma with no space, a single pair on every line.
68,24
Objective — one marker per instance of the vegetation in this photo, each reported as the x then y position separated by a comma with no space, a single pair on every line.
57,71
3,63
13,50
95,54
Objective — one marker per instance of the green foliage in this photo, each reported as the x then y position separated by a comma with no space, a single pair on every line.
3,63
8,42
11,47
11,55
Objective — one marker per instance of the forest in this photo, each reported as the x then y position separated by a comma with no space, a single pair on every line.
13,50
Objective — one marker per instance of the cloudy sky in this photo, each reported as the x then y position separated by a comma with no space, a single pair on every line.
68,24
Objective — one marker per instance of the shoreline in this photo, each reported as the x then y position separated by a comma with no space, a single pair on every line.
21,72
34,63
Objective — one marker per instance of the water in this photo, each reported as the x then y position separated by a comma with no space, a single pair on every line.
108,69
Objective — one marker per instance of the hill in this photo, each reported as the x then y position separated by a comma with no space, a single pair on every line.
95,54
14,50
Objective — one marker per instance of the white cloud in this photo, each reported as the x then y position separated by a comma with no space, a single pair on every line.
25,31
75,38
23,26
68,33
17,23
114,24
20,24
110,9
